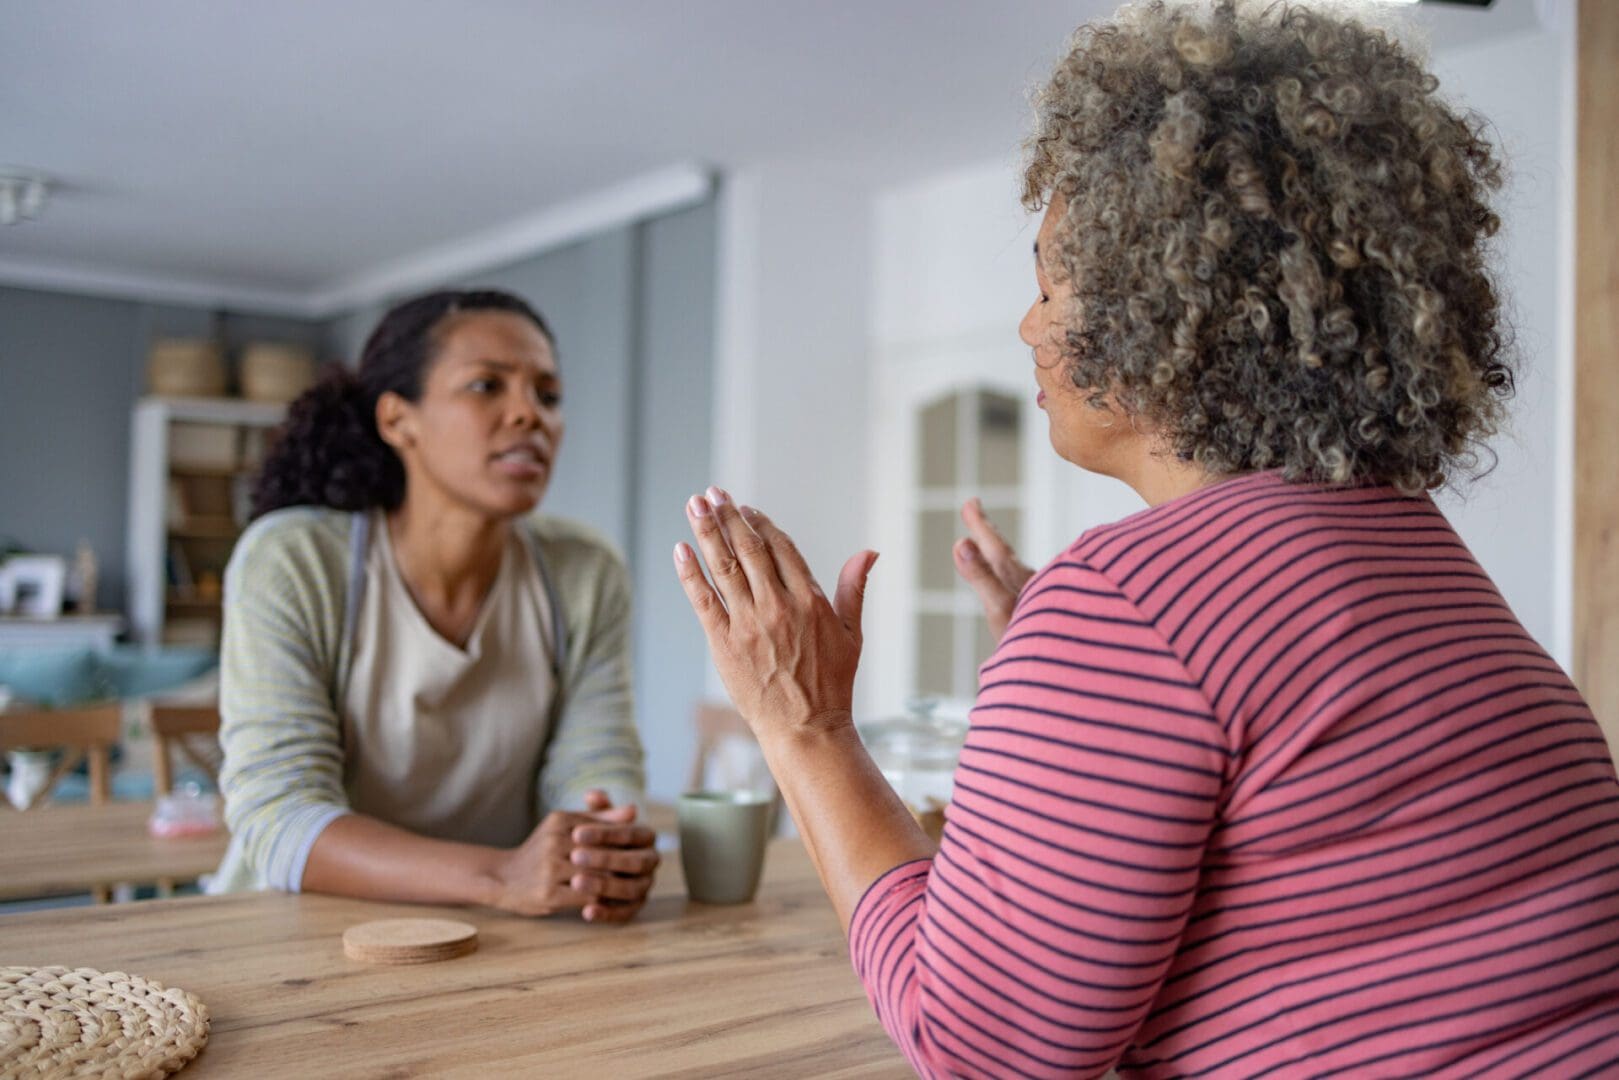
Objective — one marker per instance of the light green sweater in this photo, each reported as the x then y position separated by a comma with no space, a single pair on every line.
285,660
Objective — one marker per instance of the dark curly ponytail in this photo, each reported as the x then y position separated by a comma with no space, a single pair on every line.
328,451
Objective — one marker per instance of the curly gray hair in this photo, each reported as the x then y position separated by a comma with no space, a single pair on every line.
1277,234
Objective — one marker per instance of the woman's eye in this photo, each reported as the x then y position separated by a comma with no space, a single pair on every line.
550,398
483,386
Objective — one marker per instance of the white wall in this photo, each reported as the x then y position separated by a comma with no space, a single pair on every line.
791,381
1519,519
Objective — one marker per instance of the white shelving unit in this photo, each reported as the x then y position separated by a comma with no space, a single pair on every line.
190,462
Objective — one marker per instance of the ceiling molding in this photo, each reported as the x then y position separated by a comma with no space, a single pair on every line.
622,204
154,288
634,200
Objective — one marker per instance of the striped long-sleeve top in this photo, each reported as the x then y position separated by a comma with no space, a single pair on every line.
1264,781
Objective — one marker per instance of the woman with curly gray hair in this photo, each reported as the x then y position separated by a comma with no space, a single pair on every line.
1266,779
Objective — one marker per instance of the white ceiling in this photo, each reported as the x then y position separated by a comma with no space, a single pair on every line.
288,148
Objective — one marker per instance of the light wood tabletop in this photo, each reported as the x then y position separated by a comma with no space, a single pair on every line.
52,850
687,990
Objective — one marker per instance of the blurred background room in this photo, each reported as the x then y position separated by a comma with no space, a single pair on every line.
782,251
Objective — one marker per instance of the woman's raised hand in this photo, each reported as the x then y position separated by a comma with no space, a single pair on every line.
599,862
987,562
786,654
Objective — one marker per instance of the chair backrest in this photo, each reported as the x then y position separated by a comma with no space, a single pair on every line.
713,722
83,733
188,728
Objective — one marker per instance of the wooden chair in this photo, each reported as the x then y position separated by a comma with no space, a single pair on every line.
89,732
81,733
189,729
713,722
716,722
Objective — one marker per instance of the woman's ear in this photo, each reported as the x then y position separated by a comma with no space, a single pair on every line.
396,421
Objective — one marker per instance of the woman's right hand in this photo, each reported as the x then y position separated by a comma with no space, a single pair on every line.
987,562
541,876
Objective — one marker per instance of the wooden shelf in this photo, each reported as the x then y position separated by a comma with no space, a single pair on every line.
192,603
219,410
204,528
184,489
226,472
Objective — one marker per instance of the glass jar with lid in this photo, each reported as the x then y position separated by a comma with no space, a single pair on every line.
917,753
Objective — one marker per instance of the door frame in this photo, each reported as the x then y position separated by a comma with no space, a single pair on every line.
1596,363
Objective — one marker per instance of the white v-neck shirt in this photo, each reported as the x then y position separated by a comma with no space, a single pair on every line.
442,740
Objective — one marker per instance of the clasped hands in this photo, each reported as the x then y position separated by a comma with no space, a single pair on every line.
598,862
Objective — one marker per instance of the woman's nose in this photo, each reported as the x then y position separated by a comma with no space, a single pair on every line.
524,410
1026,329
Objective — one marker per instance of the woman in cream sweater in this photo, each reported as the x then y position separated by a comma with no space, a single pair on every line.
425,692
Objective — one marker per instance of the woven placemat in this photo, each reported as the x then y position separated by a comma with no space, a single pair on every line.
57,1022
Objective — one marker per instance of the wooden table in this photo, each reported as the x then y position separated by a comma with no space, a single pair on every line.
687,990
73,849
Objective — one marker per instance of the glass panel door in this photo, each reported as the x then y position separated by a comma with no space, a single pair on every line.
970,444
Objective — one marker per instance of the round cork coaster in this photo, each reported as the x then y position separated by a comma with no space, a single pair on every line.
409,941
60,1022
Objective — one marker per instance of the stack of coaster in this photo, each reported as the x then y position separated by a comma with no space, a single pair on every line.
409,941
60,1022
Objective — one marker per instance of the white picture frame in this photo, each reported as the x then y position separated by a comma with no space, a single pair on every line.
31,586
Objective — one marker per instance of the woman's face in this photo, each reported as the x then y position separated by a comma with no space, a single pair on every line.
486,430
1090,437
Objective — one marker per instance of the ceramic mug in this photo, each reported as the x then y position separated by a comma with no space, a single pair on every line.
723,835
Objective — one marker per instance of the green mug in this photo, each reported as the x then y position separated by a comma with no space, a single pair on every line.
723,835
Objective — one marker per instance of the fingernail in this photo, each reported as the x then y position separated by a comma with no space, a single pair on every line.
698,506
590,914
717,496
681,554
747,511
969,552
578,858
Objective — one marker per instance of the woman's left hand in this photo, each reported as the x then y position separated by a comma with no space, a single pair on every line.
787,655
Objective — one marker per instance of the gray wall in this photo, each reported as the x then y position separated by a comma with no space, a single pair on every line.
674,406
71,368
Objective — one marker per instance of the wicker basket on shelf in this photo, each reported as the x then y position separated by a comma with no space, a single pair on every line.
184,367
276,372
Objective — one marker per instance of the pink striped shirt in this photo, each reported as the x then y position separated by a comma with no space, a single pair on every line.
1264,781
